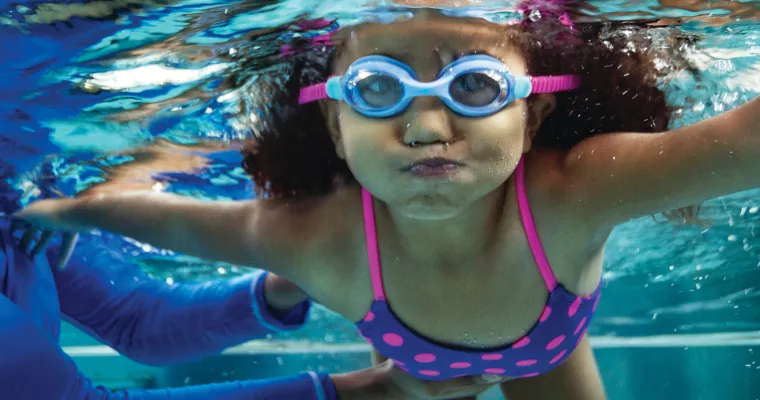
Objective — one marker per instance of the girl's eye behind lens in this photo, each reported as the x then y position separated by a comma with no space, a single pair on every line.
474,89
380,90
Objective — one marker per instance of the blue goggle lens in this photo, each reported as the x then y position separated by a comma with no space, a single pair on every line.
378,90
475,89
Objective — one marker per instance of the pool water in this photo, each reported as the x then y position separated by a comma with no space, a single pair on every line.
82,83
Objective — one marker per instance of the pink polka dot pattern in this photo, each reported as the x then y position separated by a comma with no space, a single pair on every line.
580,326
521,343
555,342
556,332
424,358
574,307
558,357
545,315
393,339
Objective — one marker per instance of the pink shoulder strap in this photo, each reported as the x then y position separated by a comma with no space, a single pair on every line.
530,229
370,232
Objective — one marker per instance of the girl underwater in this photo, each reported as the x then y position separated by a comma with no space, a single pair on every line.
449,184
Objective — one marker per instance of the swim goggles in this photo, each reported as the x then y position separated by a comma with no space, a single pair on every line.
473,86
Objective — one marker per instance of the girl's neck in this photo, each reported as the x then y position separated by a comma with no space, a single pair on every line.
447,241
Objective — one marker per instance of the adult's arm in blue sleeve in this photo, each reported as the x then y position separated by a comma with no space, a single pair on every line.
32,364
31,357
156,323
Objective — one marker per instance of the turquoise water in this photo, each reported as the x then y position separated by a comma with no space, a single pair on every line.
87,85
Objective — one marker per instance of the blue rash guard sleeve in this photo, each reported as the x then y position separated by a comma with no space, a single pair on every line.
153,322
33,366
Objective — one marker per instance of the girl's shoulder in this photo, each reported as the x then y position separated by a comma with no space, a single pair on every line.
335,222
571,239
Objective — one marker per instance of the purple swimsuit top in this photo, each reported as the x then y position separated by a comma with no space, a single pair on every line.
557,332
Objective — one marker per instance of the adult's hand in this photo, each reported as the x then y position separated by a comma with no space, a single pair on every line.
35,240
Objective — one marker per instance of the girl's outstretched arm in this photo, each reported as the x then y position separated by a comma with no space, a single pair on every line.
616,177
278,235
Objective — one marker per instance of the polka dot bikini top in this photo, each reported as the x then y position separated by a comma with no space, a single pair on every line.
550,341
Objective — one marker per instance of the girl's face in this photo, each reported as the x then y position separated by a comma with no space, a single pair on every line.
479,154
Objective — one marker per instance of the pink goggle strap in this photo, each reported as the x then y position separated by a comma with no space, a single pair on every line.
312,93
553,84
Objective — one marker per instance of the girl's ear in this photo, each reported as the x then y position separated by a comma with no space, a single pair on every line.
331,111
539,107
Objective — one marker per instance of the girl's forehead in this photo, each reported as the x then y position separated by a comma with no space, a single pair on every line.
439,39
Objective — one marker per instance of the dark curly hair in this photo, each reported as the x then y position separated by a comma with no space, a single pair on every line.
293,154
